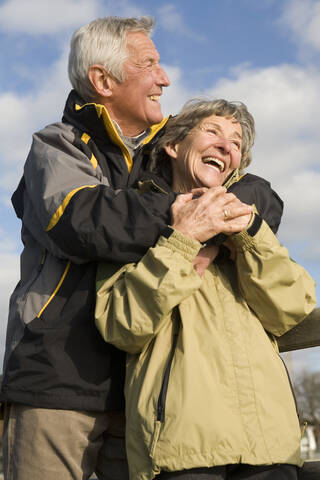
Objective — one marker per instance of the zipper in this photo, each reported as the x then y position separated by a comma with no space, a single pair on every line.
305,424
291,386
161,406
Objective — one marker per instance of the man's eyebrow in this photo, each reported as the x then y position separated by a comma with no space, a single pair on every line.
146,61
151,58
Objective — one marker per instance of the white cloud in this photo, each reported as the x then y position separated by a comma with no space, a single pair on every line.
176,94
302,194
169,18
124,8
303,20
27,113
45,16
281,97
9,276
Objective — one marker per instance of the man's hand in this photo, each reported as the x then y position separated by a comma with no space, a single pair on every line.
213,212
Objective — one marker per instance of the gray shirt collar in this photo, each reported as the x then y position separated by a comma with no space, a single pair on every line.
132,143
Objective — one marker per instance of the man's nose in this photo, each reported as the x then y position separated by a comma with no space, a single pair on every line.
162,77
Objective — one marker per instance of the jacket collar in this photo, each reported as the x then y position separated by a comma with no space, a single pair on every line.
94,119
234,177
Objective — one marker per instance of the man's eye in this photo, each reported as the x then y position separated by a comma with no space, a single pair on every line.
150,64
236,145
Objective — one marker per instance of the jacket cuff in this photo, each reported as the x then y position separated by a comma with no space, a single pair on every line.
254,225
177,242
245,240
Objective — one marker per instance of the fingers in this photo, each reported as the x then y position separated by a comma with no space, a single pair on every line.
237,224
182,199
229,212
213,194
214,212
232,207
233,215
180,202
197,192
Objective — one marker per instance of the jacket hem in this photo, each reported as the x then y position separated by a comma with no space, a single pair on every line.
63,402
198,461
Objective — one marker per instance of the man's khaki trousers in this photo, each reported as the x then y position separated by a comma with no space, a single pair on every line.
47,444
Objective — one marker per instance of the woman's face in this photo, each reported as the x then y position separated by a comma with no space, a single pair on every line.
207,155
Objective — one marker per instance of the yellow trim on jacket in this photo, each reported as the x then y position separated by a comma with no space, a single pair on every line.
55,290
102,112
116,139
60,210
85,138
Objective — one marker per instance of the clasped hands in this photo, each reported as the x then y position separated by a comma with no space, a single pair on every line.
206,212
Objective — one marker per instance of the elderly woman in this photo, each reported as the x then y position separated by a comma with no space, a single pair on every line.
207,394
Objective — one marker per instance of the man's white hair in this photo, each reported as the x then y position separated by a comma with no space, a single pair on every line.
103,42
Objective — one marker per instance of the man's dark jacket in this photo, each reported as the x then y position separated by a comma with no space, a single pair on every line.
77,207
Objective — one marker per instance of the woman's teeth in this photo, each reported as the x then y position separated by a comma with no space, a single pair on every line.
214,162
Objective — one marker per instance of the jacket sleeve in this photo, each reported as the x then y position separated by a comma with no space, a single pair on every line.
277,289
70,208
256,190
133,302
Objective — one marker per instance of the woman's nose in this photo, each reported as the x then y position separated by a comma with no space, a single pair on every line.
224,145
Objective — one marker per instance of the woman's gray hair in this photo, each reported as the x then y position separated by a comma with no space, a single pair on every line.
190,116
102,41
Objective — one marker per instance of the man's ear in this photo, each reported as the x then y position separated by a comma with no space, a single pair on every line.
100,80
172,150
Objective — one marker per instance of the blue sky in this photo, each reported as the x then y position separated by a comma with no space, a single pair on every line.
265,53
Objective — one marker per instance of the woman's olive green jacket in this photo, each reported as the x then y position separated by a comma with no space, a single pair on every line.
205,384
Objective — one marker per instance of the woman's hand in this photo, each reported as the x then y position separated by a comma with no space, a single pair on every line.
213,211
204,258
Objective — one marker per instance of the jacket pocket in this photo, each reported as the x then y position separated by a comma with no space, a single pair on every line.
72,296
54,293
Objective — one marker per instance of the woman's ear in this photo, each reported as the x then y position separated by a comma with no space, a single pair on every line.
100,80
172,150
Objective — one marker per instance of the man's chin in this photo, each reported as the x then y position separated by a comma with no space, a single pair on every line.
154,119
154,112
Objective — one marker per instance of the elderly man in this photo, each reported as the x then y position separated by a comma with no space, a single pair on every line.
62,385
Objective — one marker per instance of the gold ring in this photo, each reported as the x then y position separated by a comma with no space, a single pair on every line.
225,213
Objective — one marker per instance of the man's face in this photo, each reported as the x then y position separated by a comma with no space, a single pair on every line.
135,102
208,154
